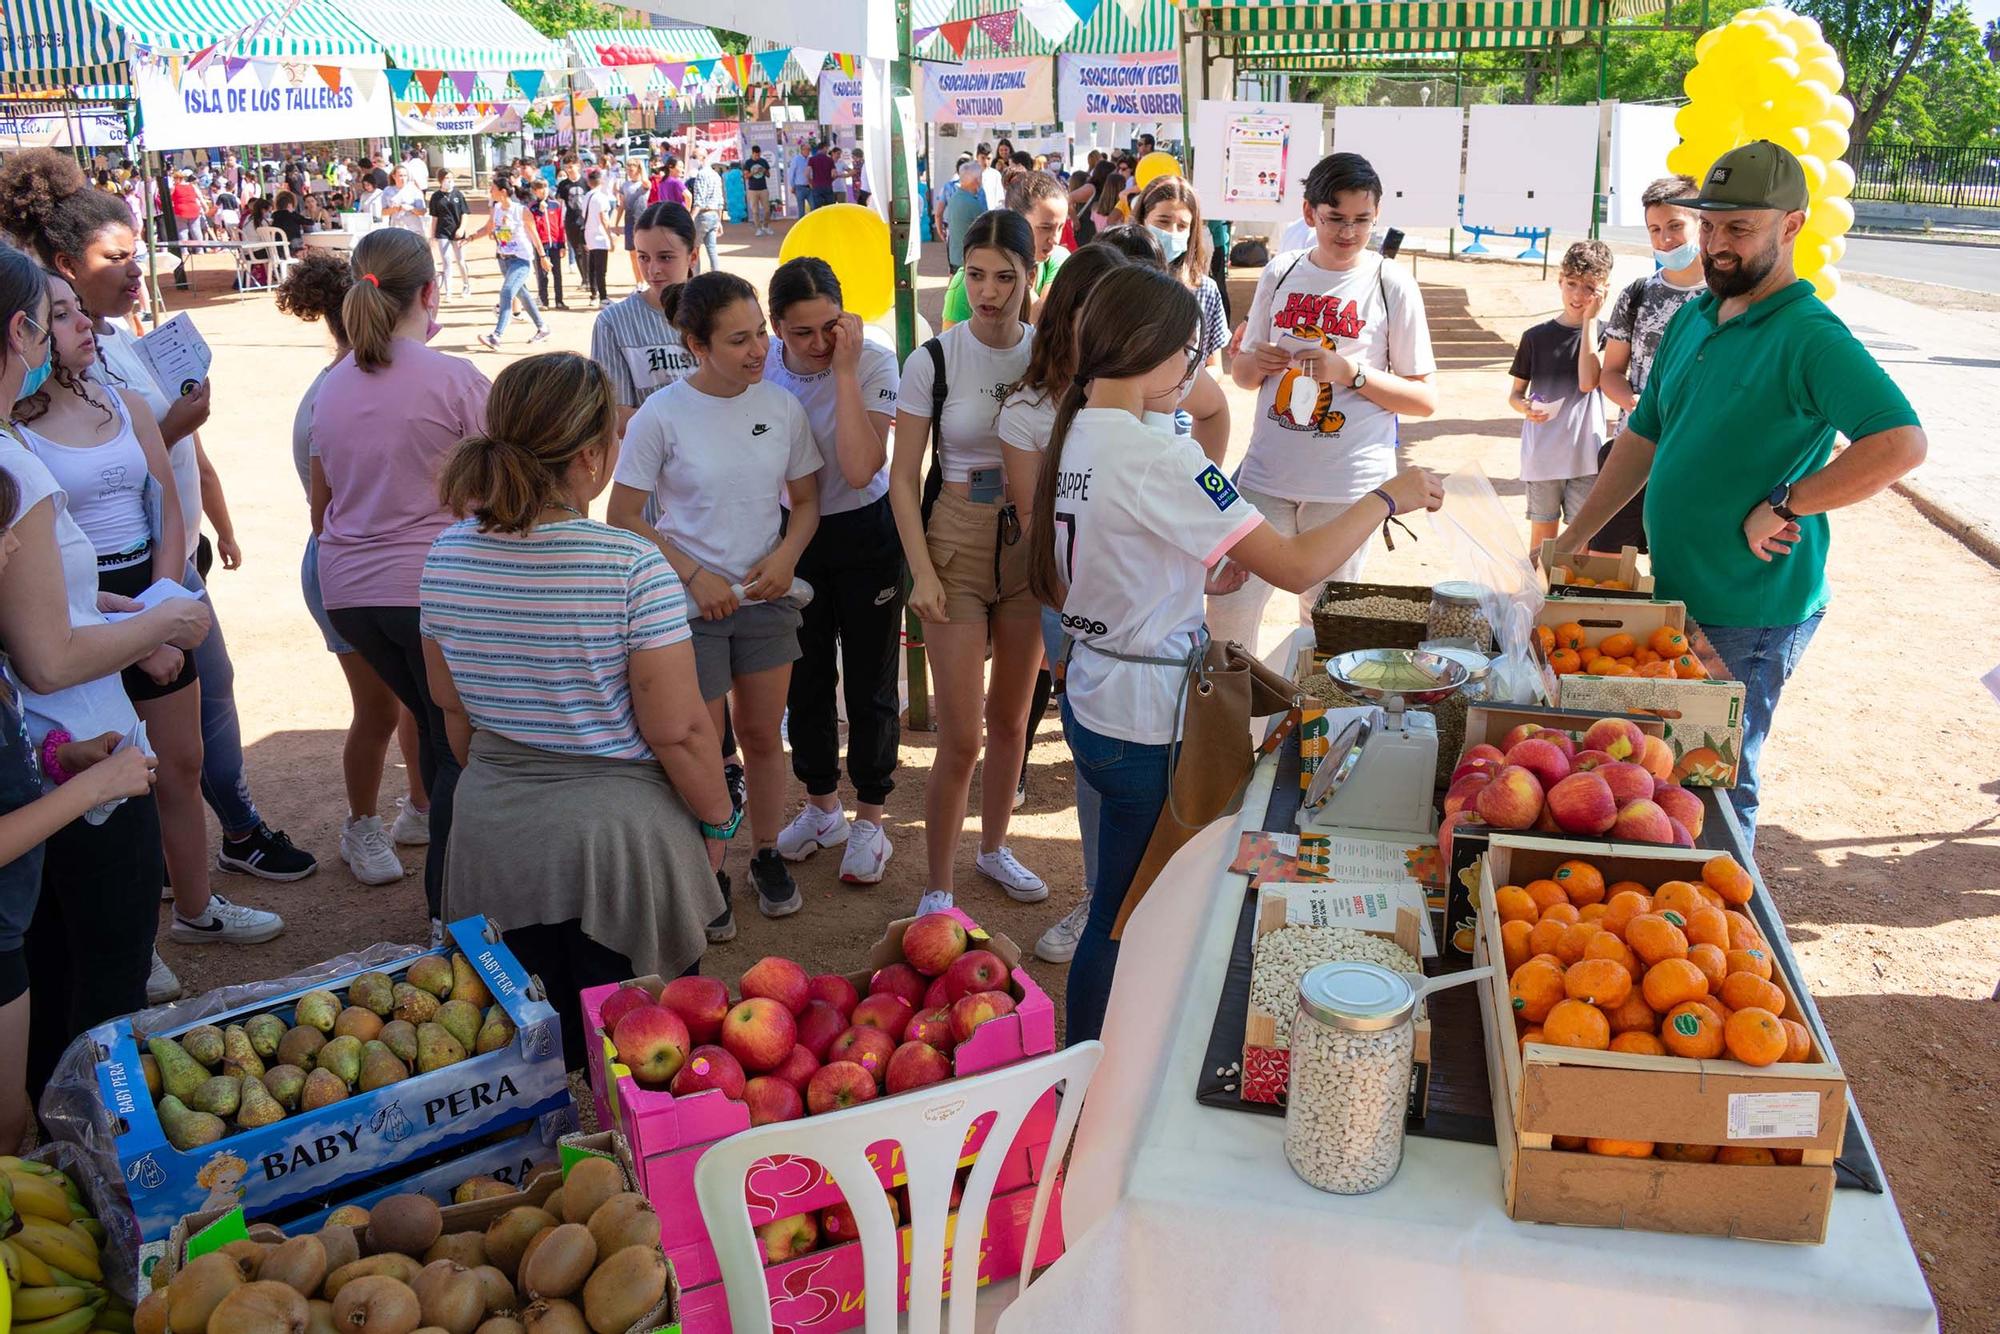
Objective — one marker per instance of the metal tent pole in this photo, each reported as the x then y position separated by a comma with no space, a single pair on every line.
901,192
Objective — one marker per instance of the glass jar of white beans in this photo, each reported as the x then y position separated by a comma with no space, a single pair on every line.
1353,1045
1455,615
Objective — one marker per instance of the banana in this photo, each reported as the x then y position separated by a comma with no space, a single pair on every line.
41,1303
10,1163
70,1322
114,1321
91,1228
30,1269
39,1197
60,1247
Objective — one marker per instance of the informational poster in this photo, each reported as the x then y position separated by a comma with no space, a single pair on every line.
1251,158
1018,90
88,129
1254,149
839,98
1135,87
1417,151
178,356
212,110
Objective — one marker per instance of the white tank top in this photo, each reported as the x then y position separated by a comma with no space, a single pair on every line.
106,484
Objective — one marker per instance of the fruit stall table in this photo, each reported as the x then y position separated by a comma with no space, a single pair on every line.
1184,1216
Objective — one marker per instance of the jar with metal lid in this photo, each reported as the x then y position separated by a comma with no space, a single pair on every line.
1455,614
1353,1047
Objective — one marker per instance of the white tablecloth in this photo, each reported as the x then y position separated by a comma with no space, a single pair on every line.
1185,1217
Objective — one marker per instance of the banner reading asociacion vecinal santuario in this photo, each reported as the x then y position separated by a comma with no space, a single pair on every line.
1018,90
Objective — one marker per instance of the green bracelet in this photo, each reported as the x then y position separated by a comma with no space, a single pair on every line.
722,832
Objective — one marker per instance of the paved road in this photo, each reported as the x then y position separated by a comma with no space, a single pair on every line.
1976,267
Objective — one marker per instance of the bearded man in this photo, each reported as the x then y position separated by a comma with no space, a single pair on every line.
1733,439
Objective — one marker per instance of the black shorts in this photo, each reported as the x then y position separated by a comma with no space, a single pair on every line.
130,581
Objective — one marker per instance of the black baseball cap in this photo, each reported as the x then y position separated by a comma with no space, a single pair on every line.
1757,175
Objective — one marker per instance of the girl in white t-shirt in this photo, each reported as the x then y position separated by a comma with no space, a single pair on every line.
968,566
720,450
1338,350
518,247
1129,521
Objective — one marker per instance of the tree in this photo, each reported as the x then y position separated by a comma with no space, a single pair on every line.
555,18
1878,41
1952,93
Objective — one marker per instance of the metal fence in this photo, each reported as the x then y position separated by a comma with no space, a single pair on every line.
1927,174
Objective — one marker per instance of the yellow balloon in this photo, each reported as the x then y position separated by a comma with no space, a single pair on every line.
1826,283
1829,217
1815,171
1151,167
1836,248
1803,103
1801,28
1824,71
1827,139
1810,255
1839,180
1842,110
1706,43
1795,140
1686,160
1775,77
854,241
1705,83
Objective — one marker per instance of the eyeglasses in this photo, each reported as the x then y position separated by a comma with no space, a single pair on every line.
36,325
1341,225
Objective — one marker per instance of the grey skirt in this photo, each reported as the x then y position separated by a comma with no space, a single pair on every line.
539,838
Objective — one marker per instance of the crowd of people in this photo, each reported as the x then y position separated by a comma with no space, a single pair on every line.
592,711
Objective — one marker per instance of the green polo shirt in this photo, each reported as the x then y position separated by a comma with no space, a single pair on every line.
1734,410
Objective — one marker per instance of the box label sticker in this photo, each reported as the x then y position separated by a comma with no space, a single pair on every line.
1362,907
1773,1115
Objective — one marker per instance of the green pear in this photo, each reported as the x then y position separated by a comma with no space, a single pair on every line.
258,1107
239,1058
414,1005
379,1067
180,1073
466,984
300,1046
461,1020
323,1088
432,973
437,1048
266,1032
284,1083
204,1043
373,991
218,1094
496,1034
343,1057
317,1009
400,1037
186,1128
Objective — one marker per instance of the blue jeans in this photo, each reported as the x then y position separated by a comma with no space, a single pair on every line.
1763,658
708,226
222,781
1131,782
1055,647
514,283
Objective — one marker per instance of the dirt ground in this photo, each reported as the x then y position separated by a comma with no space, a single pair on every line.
1880,837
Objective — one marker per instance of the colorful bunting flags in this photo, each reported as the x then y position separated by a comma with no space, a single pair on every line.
1053,19
330,75
811,61
739,69
701,71
463,79
955,34
428,80
399,83
773,63
999,28
846,63
529,81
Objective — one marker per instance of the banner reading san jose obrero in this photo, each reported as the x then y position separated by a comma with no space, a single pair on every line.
1018,90
839,98
1135,87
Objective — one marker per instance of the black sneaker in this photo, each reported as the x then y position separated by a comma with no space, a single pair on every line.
777,895
739,786
266,852
723,928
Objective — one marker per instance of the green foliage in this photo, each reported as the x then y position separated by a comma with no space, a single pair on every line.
1878,42
1952,92
555,18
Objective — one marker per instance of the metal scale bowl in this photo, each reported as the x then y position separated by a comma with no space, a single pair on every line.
1379,771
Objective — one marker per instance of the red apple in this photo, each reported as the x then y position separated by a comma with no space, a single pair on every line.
837,1225
779,979
1516,735
1511,801
1460,795
1451,826
1629,783
785,1239
1562,741
1682,838
891,1014
974,970
869,1048
760,1032
701,1002
901,980
1475,769
935,994
1545,823
1583,804
710,1067
1542,759
1656,757
837,1085
821,1023
1620,738
914,1065
770,1098
969,1012
1643,822
836,991
1587,760
931,943
798,1068
932,1026
652,1042
621,1003
1681,806
1484,751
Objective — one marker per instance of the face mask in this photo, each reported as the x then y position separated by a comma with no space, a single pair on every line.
1679,257
39,375
1172,244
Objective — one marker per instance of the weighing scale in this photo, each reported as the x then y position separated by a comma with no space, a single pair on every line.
1381,769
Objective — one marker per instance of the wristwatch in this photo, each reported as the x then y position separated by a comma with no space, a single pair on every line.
723,832
1360,378
1781,494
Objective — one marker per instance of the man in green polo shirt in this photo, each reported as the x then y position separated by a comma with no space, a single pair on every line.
1733,441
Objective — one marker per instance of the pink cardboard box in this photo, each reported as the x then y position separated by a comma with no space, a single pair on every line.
824,1291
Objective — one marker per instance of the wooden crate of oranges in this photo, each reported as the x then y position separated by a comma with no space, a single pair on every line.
1651,1066
1585,574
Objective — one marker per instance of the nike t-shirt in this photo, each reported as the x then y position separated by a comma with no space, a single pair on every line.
818,395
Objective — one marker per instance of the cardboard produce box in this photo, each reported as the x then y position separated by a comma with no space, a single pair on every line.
1542,1091
1631,568
1704,718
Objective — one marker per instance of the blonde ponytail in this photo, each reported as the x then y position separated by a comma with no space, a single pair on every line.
391,268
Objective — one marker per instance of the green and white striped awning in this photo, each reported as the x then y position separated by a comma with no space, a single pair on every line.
1271,34
453,34
1108,33
50,45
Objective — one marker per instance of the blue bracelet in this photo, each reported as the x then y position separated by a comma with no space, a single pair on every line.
1387,499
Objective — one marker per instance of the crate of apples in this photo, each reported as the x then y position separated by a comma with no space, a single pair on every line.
1613,780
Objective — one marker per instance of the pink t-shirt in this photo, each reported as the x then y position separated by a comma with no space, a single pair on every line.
381,437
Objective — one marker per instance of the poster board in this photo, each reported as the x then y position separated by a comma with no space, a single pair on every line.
1144,86
1417,151
839,98
1641,138
1531,166
1236,157
78,129
1015,91
211,110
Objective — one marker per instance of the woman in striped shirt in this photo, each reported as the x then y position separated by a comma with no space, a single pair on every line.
558,649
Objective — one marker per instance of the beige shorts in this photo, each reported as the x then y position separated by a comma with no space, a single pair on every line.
962,538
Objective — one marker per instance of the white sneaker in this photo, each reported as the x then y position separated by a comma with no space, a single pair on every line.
810,830
227,923
412,827
934,900
1001,867
437,932
1021,791
365,849
1058,943
161,984
868,851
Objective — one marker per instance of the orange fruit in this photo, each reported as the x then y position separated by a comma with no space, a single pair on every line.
1653,938
1621,1148
1531,1035
1714,964
1755,1036
1534,989
1798,1045
1565,662
1600,665
1567,1143
1692,1030
1707,926
1747,989
1625,903
1598,982
1569,635
1750,961
1744,1155
1655,668
1545,637
1618,646
1565,913
1688,668
1546,894
1573,1023
1671,981
1515,904
1622,669
1727,878
1618,585
1788,1157
1514,944
1638,1042
1544,936
1645,656
1634,1016
1582,581
1677,896
1713,1004
1581,882
1604,945
1686,1153
1667,642
1543,956
1575,939
1743,933
1592,912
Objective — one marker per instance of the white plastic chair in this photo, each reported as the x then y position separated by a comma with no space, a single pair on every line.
272,251
931,1124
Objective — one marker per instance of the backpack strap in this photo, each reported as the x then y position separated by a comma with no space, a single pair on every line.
940,391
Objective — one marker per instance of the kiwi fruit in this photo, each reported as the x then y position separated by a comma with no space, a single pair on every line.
499,1289
150,1315
403,1223
527,1256
501,1324
624,1288
300,1264
376,1304
554,1204
468,1248
199,1287
319,1318
260,1308
266,1232
430,1274
626,1219
589,1184
348,1215
554,1316
342,1246
399,1267
560,1263
455,1301
507,1236
249,1256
